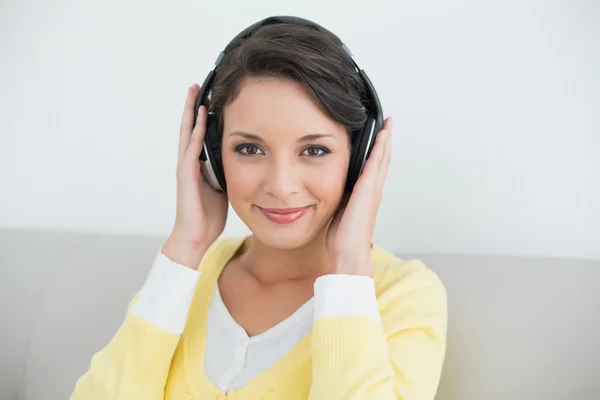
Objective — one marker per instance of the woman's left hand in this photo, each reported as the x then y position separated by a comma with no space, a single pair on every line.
350,233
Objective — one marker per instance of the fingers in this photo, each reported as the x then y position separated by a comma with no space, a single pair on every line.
387,155
187,120
380,155
197,137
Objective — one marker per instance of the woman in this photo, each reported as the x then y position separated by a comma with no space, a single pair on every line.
306,306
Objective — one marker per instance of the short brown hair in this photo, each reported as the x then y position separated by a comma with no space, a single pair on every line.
311,57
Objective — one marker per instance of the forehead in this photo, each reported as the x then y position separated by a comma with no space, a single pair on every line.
277,107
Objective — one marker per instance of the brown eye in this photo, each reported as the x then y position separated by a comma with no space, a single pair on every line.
251,150
313,151
316,151
248,150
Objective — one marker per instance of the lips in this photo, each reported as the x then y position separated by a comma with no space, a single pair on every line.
284,215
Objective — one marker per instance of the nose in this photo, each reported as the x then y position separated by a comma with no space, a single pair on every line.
283,179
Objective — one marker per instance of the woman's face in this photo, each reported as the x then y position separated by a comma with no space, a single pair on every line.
285,162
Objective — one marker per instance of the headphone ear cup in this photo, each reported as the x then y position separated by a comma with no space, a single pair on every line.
212,166
362,143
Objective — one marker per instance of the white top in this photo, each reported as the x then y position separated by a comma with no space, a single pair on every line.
232,359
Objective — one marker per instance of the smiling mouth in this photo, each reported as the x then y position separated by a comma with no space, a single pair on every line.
284,215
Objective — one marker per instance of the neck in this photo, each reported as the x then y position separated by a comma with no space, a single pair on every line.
272,265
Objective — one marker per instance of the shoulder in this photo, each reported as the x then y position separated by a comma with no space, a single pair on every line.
395,274
407,289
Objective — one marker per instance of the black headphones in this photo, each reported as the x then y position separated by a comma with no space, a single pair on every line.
362,140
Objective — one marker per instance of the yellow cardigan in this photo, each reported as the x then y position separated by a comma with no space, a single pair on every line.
346,358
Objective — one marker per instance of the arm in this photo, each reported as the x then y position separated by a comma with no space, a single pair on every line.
135,363
357,356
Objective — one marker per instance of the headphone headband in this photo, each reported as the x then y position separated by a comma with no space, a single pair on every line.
282,19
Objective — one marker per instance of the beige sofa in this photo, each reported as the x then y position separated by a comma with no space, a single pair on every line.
520,328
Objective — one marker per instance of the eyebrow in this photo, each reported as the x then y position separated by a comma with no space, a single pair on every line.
305,138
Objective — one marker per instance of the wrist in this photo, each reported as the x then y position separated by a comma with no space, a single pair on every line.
354,266
183,253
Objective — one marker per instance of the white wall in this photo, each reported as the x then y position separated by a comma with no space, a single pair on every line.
497,110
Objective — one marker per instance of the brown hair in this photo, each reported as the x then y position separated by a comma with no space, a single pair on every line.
288,51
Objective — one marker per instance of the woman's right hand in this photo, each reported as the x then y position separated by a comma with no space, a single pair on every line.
201,210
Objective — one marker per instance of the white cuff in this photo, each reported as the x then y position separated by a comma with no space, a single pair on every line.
166,296
339,295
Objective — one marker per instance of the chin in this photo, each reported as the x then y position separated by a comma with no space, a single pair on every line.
277,239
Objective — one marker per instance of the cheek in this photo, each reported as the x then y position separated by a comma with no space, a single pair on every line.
242,180
327,182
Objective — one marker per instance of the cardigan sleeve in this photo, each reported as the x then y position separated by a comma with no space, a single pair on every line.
359,358
338,295
135,363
